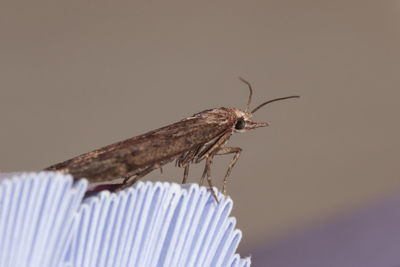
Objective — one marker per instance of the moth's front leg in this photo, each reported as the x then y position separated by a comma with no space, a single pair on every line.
229,150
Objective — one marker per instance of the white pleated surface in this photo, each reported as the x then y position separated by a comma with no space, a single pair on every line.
45,222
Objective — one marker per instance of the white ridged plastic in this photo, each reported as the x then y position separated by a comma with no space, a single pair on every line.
43,222
37,214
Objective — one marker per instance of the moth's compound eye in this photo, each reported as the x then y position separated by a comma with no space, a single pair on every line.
240,124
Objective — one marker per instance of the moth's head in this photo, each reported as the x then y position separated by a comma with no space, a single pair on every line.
243,118
244,123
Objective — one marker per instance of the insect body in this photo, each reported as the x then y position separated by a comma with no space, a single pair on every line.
191,140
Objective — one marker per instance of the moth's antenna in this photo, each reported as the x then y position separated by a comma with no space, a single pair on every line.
273,100
251,93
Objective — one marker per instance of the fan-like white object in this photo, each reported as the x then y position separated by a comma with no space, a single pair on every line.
45,222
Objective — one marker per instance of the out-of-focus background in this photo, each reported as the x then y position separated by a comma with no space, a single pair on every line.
78,75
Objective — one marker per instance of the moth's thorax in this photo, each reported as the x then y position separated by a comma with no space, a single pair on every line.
217,115
242,114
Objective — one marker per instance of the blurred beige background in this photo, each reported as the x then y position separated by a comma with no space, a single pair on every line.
77,75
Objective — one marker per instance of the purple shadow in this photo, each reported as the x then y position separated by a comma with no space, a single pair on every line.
366,238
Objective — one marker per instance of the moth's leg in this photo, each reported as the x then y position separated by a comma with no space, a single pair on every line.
185,174
205,172
203,175
229,150
209,154
216,146
185,160
208,164
128,181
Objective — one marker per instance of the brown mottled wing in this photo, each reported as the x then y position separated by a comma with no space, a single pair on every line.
160,146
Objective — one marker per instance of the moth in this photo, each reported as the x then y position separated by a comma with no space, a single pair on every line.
189,141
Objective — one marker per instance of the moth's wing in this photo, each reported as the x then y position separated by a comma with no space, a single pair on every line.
159,146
